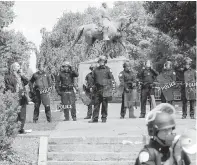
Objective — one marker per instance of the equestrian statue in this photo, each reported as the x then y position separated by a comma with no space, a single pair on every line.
107,30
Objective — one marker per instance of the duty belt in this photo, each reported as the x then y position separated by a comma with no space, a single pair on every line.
67,87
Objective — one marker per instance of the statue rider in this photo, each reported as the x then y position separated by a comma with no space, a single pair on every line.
105,20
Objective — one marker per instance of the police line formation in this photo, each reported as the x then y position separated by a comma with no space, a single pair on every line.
99,88
164,146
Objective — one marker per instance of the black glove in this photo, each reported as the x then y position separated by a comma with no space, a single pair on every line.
127,90
31,95
59,93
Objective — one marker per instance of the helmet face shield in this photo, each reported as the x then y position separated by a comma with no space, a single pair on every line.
160,118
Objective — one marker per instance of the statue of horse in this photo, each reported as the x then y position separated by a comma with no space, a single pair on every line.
93,32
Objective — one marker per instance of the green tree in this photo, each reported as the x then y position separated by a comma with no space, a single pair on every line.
6,13
176,18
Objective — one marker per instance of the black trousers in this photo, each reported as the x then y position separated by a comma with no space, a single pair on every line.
145,92
123,109
64,101
99,99
89,113
22,116
37,103
163,99
184,103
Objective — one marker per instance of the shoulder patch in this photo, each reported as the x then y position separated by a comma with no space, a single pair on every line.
144,157
174,73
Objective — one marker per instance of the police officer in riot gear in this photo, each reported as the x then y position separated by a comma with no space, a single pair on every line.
160,125
128,80
39,80
147,76
64,85
189,77
87,86
103,84
168,76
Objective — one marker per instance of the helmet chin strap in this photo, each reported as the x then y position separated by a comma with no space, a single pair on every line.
160,141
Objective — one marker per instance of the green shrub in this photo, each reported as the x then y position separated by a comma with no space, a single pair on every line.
8,125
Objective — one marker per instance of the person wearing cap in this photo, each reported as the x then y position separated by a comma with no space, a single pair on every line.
146,77
103,82
40,80
65,84
160,124
128,80
188,93
165,78
105,20
88,84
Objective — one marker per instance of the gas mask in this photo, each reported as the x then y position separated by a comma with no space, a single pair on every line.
167,141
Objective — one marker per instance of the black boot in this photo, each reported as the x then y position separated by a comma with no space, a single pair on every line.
93,121
183,117
142,116
87,117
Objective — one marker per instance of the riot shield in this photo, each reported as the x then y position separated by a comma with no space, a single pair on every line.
85,98
107,90
67,99
45,98
130,98
190,90
166,87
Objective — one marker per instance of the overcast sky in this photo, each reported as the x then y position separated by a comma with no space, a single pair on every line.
31,16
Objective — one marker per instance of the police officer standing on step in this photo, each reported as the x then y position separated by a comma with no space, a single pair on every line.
65,84
187,95
87,86
39,80
147,76
128,80
103,82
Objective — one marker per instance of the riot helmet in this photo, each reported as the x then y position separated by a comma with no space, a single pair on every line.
102,60
168,65
65,66
161,118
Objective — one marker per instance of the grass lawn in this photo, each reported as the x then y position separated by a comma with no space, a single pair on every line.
27,149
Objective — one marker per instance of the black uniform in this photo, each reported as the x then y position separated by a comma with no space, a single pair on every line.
10,84
147,77
189,77
155,154
127,78
39,81
103,82
65,84
89,84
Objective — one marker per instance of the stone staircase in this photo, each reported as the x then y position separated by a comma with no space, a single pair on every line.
93,150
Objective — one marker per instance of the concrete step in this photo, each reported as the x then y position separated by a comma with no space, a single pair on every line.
90,162
95,140
95,148
91,156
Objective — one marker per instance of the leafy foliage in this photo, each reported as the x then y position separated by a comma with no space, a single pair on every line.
176,18
6,13
8,125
